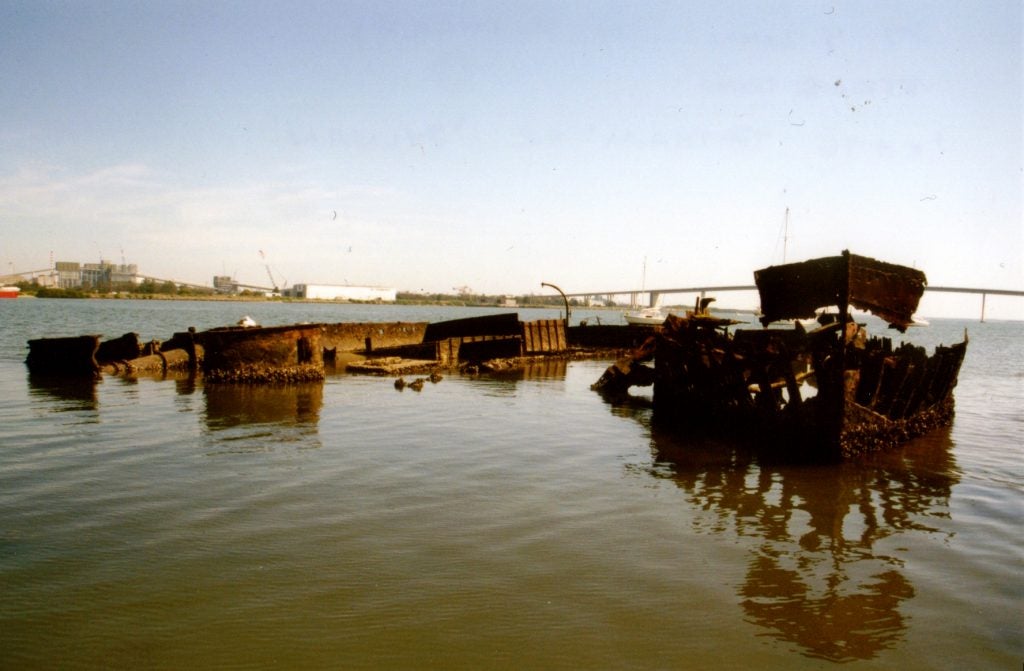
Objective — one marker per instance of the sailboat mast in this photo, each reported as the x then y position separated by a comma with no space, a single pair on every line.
785,236
643,280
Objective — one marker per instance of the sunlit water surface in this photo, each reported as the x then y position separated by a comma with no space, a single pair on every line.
511,522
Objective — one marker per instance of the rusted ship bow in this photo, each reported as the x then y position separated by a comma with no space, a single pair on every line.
826,392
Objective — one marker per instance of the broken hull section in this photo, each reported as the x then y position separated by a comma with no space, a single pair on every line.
817,395
830,393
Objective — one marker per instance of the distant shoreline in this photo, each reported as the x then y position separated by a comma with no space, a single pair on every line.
236,298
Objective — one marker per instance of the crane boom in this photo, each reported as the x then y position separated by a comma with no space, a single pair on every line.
269,273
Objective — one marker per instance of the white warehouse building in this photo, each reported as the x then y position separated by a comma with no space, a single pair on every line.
342,292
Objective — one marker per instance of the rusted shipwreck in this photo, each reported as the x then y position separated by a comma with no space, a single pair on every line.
251,353
825,393
229,354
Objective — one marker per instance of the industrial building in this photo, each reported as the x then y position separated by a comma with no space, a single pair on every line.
107,275
73,275
225,284
102,276
342,292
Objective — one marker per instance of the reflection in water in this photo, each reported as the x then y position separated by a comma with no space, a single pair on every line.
72,393
630,406
238,414
185,384
819,574
503,383
184,380
544,369
234,404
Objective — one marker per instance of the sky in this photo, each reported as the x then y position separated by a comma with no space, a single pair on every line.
430,146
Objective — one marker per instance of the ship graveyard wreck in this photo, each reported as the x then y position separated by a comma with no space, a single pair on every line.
824,391
295,353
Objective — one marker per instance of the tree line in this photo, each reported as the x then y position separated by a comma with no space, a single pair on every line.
146,288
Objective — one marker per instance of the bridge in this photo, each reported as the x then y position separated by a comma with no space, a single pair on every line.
654,295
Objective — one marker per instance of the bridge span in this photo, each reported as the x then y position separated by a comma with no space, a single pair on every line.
655,295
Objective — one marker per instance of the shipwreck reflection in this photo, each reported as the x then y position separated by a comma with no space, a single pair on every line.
497,381
185,384
636,406
65,394
824,570
232,405
185,381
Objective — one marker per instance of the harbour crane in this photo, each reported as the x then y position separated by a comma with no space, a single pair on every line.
273,283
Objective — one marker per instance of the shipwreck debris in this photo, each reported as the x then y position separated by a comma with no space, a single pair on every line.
828,393
392,365
253,354
260,354
73,356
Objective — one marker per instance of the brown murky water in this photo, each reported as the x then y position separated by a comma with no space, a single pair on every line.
519,522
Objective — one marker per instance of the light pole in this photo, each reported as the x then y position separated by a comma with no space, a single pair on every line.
546,284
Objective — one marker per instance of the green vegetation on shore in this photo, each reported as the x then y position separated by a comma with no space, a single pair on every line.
526,301
50,292
123,290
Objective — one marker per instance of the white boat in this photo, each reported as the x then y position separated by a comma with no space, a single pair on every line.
646,317
649,316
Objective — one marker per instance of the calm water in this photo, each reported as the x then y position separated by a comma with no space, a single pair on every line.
514,522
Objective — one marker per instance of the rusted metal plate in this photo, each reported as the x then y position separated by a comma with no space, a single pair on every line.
544,335
73,356
482,348
506,324
351,336
125,348
797,290
266,354
887,290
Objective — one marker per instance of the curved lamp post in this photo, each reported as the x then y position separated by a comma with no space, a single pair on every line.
546,284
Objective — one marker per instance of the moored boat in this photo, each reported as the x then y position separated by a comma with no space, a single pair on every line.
9,292
646,317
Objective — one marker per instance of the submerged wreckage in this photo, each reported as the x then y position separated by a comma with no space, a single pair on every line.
253,354
822,391
827,392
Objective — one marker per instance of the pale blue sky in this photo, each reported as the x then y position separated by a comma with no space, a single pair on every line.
429,145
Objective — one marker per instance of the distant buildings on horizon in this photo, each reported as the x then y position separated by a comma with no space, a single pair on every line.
333,292
224,284
77,275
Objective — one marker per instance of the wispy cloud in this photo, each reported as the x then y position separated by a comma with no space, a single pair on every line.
191,233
